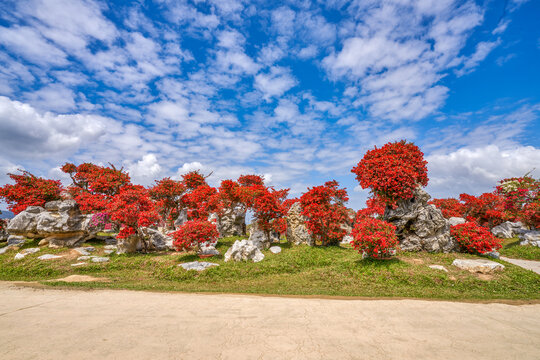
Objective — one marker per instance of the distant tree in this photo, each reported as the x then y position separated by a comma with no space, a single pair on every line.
167,194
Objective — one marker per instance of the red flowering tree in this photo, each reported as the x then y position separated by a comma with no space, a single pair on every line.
393,171
167,194
374,208
486,209
474,239
193,233
521,199
94,186
29,190
194,179
373,237
324,209
201,202
449,207
249,180
269,210
132,209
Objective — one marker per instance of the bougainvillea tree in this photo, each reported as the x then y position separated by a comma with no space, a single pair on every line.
449,207
193,233
269,210
94,186
201,202
375,238
486,209
323,206
474,239
29,190
193,180
131,210
167,194
393,171
374,208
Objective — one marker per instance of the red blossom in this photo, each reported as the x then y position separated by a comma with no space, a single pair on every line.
449,207
374,237
193,233
474,239
167,195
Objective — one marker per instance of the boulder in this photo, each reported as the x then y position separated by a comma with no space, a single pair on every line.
419,225
456,221
197,265
530,237
208,249
347,239
260,238
297,232
16,240
49,257
438,267
181,219
478,265
156,239
129,245
61,223
275,249
244,250
232,222
508,229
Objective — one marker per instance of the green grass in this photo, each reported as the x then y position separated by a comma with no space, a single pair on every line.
297,270
512,249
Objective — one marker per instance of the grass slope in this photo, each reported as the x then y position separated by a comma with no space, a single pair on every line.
512,249
297,270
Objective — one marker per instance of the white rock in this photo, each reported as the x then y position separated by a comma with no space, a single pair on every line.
198,266
244,250
6,248
456,221
49,257
478,265
508,229
530,237
84,258
275,249
438,267
30,251
108,252
110,247
208,250
78,264
99,259
19,256
82,251
346,240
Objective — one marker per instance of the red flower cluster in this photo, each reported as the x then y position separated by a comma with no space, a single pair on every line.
29,190
325,212
375,208
374,237
269,210
450,207
193,233
486,209
393,171
201,202
193,180
474,239
521,199
167,194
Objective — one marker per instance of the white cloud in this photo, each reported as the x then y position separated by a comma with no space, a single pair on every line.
275,83
481,52
53,97
144,171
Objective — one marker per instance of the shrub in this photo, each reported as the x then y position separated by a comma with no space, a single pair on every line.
449,207
201,202
393,171
193,233
374,237
375,208
486,209
521,199
474,239
323,207
29,190
167,194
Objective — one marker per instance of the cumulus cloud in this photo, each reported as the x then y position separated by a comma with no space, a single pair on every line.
275,83
144,171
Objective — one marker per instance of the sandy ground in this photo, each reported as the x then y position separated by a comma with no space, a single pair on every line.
105,324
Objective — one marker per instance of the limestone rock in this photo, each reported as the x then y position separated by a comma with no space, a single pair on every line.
129,245
456,221
78,264
297,232
261,239
530,237
156,239
16,240
25,252
478,265
181,219
275,249
244,250
232,222
49,257
99,259
6,248
207,249
61,223
419,225
84,250
439,267
197,265
346,240
508,229
43,242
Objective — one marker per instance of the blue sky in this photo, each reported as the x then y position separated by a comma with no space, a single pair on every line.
294,90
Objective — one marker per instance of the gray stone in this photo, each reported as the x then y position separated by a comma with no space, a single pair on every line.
419,225
493,254
439,267
297,232
84,258
181,219
347,240
275,249
99,259
197,265
61,223
530,237
260,238
108,252
16,240
30,251
82,251
244,250
478,265
129,245
232,222
456,221
49,257
79,264
19,256
206,249
6,248
155,240
508,229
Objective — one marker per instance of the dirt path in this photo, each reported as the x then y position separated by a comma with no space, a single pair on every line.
104,324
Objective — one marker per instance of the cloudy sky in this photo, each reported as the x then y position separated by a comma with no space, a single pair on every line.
294,90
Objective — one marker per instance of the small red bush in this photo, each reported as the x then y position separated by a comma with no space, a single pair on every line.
474,239
375,208
486,209
393,171
193,233
449,207
374,237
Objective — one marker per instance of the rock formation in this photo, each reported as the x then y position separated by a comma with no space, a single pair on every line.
297,232
260,238
419,225
232,223
243,250
508,229
61,223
